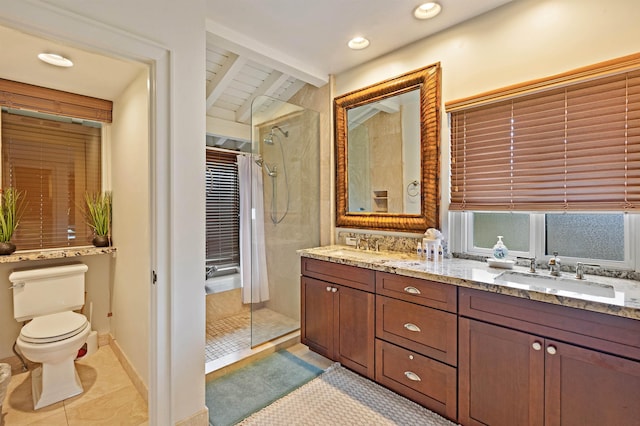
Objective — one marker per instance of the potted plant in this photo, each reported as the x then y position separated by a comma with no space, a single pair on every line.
11,208
98,213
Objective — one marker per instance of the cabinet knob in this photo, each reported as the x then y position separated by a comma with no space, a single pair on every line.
333,289
551,350
537,346
412,376
412,327
328,288
411,290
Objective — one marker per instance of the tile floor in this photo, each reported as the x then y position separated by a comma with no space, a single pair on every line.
303,352
109,398
233,333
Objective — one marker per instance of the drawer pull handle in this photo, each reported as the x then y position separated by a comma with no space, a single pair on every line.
333,290
411,290
551,350
328,288
412,376
537,346
412,327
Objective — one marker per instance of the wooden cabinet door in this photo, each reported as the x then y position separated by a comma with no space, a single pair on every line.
586,387
354,330
317,318
501,376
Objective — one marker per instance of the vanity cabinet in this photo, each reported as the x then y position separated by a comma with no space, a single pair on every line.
525,362
338,313
416,340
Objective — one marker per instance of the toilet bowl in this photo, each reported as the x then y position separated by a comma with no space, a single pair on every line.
54,340
48,298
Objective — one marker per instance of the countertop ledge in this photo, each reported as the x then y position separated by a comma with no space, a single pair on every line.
56,254
479,275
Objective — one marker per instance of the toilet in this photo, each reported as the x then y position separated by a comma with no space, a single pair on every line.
48,297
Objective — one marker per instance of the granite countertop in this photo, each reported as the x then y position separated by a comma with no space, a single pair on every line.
23,256
624,301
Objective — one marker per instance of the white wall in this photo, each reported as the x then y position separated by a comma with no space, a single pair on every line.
172,34
130,182
521,41
97,283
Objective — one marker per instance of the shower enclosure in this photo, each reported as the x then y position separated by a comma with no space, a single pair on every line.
285,199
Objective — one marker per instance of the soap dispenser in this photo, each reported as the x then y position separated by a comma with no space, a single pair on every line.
500,251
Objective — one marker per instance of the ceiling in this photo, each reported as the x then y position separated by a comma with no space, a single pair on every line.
274,47
25,67
253,48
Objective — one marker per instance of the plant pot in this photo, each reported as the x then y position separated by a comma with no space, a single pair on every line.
7,248
101,241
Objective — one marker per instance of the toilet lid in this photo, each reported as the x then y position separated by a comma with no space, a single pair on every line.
53,327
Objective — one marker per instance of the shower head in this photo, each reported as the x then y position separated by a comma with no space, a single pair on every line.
284,132
271,171
269,138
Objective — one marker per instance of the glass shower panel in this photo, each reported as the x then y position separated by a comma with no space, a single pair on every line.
285,211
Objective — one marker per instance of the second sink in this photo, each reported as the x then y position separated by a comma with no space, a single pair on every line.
547,282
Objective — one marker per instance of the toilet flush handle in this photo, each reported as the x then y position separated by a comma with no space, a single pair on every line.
16,285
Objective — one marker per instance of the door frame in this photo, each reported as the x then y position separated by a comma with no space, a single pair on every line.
51,22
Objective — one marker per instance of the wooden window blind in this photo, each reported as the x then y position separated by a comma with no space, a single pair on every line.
571,146
55,163
18,95
222,209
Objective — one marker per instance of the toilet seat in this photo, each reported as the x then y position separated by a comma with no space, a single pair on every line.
53,327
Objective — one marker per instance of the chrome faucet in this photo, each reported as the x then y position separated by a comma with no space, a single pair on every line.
580,269
362,244
554,265
532,263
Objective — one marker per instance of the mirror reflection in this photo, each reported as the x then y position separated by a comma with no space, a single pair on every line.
384,155
387,153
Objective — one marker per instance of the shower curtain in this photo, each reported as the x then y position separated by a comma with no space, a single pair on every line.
253,261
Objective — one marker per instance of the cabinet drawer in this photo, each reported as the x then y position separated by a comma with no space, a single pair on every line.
607,333
425,330
415,290
421,379
350,276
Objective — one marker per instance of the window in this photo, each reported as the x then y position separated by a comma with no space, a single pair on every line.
561,154
600,236
54,162
223,209
514,227
594,236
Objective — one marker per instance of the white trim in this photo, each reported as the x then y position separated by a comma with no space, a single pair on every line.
161,397
462,241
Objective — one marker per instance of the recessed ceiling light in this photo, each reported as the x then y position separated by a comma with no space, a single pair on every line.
427,10
358,43
55,59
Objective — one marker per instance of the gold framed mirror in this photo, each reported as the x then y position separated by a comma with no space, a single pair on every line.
387,139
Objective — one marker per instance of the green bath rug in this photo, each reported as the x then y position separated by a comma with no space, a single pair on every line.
237,395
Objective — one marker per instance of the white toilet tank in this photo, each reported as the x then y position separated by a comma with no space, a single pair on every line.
45,291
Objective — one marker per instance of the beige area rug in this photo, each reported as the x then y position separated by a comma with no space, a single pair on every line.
341,397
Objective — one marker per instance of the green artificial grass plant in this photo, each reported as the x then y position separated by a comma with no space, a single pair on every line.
98,212
11,208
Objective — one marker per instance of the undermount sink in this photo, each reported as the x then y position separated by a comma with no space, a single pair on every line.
550,284
360,254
